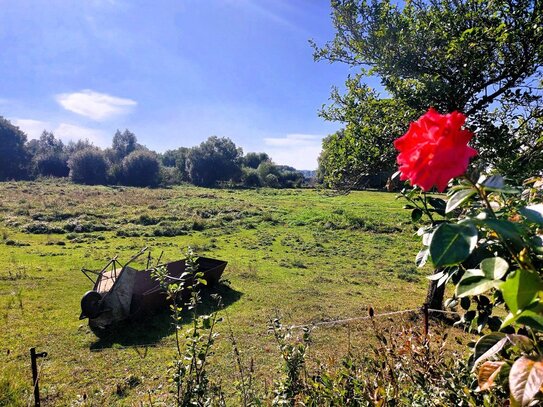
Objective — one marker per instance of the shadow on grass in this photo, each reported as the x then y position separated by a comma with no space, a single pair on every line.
150,330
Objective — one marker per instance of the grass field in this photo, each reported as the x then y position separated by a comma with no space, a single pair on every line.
297,253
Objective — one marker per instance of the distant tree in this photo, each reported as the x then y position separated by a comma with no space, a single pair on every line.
283,175
49,156
123,144
141,168
13,155
88,166
250,177
272,181
74,146
177,158
253,160
216,159
289,177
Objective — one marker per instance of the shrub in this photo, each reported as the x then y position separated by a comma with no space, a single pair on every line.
271,181
250,177
88,166
141,168
51,165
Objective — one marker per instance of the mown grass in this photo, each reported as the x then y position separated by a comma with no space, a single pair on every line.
297,253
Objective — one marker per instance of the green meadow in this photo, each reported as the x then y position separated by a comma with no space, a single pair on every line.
302,255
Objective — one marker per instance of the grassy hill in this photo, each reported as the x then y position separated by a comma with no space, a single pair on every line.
300,254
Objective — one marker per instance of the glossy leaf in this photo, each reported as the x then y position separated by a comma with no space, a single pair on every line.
494,268
416,214
487,346
534,213
474,286
458,198
525,379
452,243
520,289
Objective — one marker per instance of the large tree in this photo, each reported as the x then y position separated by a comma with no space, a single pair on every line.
13,155
480,57
216,159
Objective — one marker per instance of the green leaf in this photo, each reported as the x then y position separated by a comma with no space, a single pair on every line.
416,214
494,181
422,257
531,316
488,346
507,230
494,268
474,286
521,289
458,198
436,276
438,204
452,243
525,379
534,213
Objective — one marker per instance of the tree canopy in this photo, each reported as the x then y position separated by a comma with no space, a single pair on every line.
481,58
216,159
14,162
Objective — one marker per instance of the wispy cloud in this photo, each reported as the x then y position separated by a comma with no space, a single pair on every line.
95,105
32,128
71,132
297,150
64,131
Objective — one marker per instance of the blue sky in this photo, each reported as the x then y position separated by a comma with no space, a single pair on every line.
173,71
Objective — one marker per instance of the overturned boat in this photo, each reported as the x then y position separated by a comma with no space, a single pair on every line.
122,292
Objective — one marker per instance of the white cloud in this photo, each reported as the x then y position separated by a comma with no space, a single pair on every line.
32,128
64,131
297,150
97,106
71,132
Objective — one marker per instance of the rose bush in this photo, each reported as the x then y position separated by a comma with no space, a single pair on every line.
487,239
434,150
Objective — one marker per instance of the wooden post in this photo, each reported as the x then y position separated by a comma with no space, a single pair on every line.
35,378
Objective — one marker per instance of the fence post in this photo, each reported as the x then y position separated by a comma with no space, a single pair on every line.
35,378
426,320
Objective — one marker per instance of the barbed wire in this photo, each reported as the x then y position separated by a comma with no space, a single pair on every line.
300,326
343,321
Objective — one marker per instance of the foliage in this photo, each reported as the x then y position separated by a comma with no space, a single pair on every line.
253,160
279,176
250,177
141,168
188,370
178,159
48,156
486,239
123,144
13,156
364,147
483,59
88,166
216,159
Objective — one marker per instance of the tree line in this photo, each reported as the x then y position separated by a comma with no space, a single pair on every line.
127,162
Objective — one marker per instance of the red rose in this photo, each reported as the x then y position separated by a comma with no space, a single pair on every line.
434,150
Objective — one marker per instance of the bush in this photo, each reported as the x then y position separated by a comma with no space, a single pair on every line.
141,168
88,166
271,181
250,177
51,165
